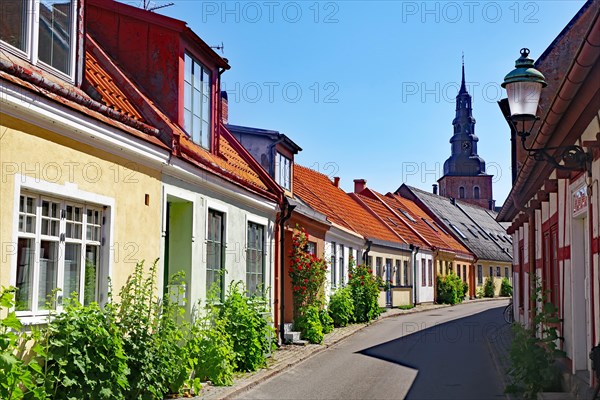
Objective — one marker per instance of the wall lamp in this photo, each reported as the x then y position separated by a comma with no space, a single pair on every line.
524,86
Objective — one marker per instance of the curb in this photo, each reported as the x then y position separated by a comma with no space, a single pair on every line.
235,391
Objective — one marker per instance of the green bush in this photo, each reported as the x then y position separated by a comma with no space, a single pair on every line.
250,332
153,337
489,287
450,289
17,376
341,307
505,288
84,354
532,355
326,321
365,293
210,349
309,324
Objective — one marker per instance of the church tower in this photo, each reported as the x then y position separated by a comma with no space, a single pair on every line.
464,172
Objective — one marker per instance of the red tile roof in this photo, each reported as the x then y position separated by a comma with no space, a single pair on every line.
390,219
229,160
110,93
319,192
425,225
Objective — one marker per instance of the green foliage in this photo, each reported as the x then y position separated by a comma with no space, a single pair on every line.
152,336
489,287
250,332
326,321
479,292
309,323
210,349
341,307
16,374
505,288
405,307
84,354
365,293
534,351
450,289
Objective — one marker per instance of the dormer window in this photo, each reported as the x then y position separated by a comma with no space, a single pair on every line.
196,102
42,31
283,171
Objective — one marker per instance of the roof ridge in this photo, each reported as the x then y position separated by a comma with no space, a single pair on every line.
357,197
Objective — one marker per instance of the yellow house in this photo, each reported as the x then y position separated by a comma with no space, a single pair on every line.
80,182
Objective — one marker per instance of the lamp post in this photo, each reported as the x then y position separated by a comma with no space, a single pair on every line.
524,86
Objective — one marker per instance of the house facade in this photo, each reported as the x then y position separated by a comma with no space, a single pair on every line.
218,206
81,182
476,229
553,207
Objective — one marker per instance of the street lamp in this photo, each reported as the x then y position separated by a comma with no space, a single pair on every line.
524,87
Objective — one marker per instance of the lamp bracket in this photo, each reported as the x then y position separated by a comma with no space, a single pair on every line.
569,158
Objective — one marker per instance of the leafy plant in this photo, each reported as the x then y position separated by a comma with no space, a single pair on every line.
16,374
365,293
405,307
309,323
534,351
505,288
84,356
450,289
479,292
250,332
210,349
326,321
489,287
152,336
341,307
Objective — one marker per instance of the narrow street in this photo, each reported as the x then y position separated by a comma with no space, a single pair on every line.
438,354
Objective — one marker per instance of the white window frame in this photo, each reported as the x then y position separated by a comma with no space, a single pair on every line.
283,166
333,260
31,52
69,193
198,109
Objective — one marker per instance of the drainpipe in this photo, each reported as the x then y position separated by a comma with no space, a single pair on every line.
286,213
365,256
415,250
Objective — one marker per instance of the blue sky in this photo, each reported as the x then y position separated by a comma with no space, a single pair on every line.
367,89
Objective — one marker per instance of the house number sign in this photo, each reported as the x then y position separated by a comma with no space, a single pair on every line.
580,201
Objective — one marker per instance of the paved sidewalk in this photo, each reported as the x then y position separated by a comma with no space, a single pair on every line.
289,355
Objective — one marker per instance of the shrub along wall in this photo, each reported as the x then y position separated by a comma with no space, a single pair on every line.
139,348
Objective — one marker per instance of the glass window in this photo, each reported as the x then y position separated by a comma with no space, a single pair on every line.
423,273
333,262
397,273
341,265
476,192
56,254
461,192
491,272
52,26
215,266
506,273
311,248
388,269
464,273
255,258
405,273
283,171
480,274
379,266
430,272
498,274
196,101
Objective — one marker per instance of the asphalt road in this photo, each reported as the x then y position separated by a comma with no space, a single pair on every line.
438,354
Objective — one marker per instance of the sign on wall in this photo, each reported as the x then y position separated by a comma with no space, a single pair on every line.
579,201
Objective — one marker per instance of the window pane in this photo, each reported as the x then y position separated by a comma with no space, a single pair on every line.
25,260
48,271
54,39
205,136
13,30
196,126
188,68
92,263
72,269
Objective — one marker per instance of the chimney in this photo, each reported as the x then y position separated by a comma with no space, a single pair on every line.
224,108
336,181
359,185
434,188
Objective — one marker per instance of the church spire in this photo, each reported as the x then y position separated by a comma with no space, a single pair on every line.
463,86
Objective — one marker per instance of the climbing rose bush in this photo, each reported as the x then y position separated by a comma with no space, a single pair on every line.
307,273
